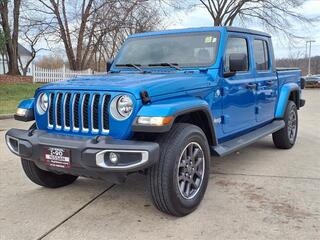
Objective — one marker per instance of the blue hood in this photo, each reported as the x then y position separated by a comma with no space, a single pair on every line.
155,83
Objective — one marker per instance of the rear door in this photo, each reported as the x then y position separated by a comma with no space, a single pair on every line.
238,90
266,79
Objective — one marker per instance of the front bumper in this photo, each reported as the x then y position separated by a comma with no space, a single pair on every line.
89,156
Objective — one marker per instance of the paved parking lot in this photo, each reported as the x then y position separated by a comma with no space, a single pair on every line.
258,193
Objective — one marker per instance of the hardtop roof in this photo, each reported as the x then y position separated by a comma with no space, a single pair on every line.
247,30
202,29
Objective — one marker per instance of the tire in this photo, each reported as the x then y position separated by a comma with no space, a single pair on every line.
45,178
165,179
286,137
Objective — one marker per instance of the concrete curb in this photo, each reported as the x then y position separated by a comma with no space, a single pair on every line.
6,116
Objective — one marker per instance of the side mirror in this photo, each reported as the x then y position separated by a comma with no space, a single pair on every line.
108,65
238,62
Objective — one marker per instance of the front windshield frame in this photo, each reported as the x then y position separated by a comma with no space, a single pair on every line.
213,61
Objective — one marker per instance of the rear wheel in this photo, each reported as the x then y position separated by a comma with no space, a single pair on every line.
286,137
179,180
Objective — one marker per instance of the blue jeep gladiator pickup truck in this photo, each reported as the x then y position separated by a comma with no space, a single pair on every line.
169,102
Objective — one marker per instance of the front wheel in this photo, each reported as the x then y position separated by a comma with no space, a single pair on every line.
45,178
286,137
177,183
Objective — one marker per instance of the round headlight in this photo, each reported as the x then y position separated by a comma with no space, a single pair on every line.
121,107
125,106
42,103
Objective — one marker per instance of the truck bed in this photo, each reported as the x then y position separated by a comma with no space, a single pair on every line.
287,75
278,69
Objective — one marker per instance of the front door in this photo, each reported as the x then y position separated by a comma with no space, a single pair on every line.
239,90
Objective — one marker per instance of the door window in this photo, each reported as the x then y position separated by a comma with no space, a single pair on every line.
261,55
236,45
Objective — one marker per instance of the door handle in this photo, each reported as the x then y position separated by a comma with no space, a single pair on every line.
269,83
251,86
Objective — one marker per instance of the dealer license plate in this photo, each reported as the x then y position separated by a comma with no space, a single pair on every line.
57,157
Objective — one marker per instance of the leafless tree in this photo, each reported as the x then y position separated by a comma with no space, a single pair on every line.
11,32
302,63
70,20
31,34
274,15
50,62
31,38
3,50
81,25
143,19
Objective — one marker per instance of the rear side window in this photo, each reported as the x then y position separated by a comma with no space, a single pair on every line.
261,55
236,45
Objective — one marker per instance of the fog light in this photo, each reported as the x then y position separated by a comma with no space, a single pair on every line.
113,157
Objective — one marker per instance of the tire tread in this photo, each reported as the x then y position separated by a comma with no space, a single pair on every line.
280,138
158,188
44,178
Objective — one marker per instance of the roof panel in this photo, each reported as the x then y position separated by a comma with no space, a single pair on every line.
200,29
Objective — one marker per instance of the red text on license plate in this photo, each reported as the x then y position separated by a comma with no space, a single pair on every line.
57,157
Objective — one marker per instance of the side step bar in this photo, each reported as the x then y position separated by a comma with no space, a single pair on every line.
228,147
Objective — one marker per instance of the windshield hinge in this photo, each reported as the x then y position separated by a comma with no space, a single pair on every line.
203,70
145,97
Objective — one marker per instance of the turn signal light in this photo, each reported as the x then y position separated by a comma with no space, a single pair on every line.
154,121
21,112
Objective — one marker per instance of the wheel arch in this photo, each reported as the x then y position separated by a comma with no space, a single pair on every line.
184,110
288,92
200,117
295,96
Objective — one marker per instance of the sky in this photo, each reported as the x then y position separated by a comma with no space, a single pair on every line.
200,18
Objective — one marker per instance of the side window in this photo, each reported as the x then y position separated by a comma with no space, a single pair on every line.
261,55
236,45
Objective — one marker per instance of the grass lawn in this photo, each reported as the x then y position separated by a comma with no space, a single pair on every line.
12,94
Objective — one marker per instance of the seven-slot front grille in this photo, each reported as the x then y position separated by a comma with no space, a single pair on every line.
85,112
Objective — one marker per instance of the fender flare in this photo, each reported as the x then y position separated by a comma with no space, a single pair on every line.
175,108
26,103
284,95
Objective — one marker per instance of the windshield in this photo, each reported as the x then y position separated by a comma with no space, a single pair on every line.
184,50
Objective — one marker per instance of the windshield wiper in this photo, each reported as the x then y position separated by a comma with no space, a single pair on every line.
173,65
136,66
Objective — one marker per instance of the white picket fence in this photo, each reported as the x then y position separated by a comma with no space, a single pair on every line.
55,75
